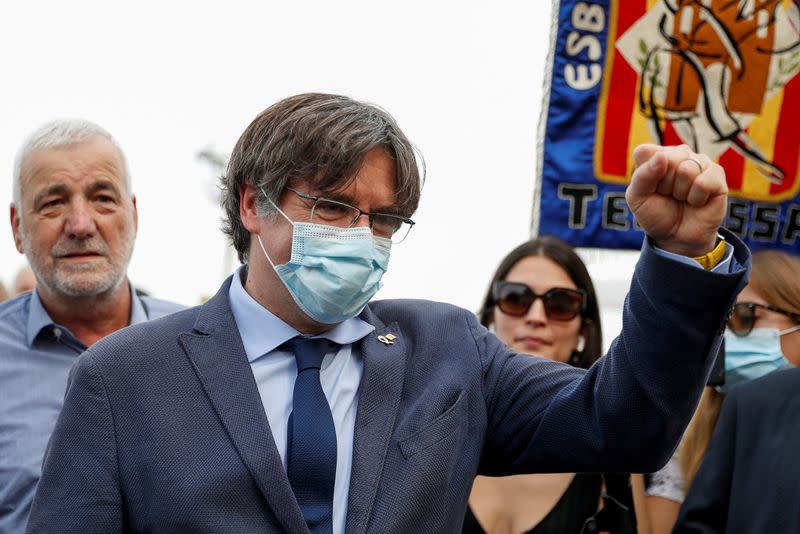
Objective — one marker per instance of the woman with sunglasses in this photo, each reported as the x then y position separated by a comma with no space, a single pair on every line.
541,301
747,480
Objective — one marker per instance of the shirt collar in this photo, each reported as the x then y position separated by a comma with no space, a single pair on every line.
262,332
38,318
138,309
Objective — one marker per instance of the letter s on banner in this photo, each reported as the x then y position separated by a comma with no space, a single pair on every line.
588,18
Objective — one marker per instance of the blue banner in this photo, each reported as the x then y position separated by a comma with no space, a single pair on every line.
626,72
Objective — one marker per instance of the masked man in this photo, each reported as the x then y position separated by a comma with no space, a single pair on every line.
289,403
74,218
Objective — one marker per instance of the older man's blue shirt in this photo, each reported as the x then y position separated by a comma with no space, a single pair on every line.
36,356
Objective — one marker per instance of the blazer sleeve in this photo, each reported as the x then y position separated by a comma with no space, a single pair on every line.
628,411
706,506
81,454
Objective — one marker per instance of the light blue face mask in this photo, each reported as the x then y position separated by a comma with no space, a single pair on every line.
754,355
332,272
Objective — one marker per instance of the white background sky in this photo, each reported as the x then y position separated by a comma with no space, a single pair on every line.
168,79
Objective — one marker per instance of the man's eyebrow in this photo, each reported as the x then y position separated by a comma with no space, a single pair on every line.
57,189
334,195
99,185
390,210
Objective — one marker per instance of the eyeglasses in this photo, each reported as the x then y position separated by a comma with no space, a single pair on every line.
743,316
560,303
335,213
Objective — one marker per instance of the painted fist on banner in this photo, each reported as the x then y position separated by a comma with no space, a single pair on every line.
678,197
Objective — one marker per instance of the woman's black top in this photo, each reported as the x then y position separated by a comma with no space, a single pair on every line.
576,511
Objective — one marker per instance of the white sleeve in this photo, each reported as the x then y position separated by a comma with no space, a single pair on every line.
667,483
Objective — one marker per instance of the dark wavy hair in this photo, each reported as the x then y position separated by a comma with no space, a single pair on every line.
319,138
564,255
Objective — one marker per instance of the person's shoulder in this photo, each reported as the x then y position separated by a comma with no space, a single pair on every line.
15,309
417,312
769,386
157,308
14,321
412,306
180,319
151,339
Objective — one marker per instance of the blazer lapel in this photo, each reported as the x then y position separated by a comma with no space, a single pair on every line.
218,357
379,399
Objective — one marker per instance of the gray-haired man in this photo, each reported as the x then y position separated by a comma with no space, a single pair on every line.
74,218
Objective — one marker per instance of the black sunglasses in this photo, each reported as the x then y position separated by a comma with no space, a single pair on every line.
743,316
560,303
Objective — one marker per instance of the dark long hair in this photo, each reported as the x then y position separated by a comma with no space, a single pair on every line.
564,255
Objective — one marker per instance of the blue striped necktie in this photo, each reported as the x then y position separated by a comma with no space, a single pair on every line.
311,450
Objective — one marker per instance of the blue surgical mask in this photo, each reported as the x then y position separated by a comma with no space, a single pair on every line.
754,355
332,272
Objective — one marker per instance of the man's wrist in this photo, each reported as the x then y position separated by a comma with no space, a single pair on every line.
710,259
696,247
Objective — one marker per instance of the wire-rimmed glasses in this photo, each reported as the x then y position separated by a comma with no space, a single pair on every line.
335,213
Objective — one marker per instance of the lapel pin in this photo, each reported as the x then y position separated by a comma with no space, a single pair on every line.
387,339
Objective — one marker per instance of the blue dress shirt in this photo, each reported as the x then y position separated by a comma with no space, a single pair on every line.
36,356
276,370
724,265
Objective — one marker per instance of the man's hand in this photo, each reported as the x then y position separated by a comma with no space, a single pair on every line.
678,197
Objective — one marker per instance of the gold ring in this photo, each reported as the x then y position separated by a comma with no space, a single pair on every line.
694,159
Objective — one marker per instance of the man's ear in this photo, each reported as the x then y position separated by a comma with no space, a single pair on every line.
248,211
16,227
135,215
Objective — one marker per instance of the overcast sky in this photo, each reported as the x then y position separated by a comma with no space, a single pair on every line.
169,79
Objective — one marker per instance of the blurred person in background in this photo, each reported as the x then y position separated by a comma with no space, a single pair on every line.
3,293
24,281
762,336
74,218
661,493
541,301
747,481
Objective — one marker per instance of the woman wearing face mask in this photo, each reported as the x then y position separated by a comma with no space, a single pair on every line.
763,330
763,335
747,481
541,301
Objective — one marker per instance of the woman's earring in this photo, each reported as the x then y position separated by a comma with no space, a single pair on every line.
575,359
